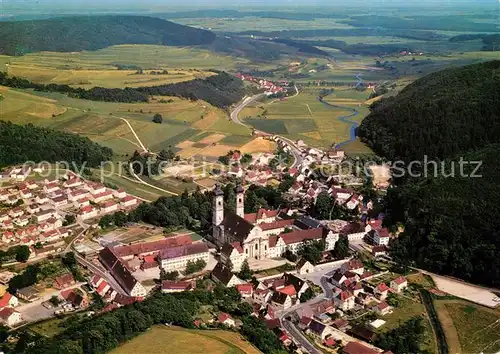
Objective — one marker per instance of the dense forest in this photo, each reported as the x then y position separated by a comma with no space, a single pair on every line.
219,90
448,214
19,144
450,222
69,34
440,115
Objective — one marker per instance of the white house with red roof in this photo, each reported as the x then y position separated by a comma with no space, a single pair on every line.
381,291
353,265
345,300
168,286
382,308
109,206
381,237
119,193
129,201
399,284
8,300
245,290
87,212
226,319
101,197
10,317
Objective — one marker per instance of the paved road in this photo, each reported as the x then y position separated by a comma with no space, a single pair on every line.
234,117
104,274
295,333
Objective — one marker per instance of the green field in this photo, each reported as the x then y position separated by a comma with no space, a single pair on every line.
158,338
469,328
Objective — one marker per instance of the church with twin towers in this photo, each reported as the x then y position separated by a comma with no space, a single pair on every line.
260,235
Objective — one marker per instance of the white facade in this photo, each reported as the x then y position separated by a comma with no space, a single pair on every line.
179,263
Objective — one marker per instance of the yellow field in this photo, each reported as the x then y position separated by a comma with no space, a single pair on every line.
217,150
259,145
162,339
212,139
110,78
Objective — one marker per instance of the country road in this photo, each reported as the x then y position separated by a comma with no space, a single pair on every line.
234,117
133,132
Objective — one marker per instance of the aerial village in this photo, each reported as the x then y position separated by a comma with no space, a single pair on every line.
323,303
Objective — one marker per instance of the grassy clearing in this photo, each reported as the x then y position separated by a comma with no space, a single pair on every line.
236,140
477,328
187,341
407,309
48,328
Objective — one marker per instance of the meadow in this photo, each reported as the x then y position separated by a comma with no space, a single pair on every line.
158,338
469,328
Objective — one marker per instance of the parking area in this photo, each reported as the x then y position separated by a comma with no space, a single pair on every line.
466,291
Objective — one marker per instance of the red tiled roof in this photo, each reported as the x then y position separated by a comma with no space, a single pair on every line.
383,232
345,295
223,316
382,306
244,288
155,246
101,286
382,287
6,312
358,348
260,214
302,235
289,290
276,224
176,285
4,301
400,280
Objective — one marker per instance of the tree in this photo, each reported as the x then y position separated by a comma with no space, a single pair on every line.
312,250
23,254
224,160
157,118
245,271
54,300
106,221
195,266
323,206
392,300
341,249
307,295
166,155
69,219
404,339
246,158
69,260
164,275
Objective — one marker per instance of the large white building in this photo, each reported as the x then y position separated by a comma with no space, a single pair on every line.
176,258
259,235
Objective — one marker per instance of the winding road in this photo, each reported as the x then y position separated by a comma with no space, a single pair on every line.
293,148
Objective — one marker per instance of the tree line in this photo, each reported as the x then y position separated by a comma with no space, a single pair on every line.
105,332
221,90
450,226
21,143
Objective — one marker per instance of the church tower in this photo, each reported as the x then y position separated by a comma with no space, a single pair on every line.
218,214
240,200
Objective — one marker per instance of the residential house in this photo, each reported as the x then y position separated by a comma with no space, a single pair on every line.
72,296
8,300
345,300
233,253
129,201
168,286
63,281
381,291
304,267
281,301
10,317
226,319
28,293
299,285
378,251
223,274
381,237
319,330
399,284
382,308
354,265
245,290
262,296
358,348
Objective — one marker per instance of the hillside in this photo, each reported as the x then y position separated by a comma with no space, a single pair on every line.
449,220
451,225
71,34
19,144
440,115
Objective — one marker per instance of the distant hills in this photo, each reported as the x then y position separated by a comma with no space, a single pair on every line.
69,34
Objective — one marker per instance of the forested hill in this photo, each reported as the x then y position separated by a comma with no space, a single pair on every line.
440,115
19,144
451,223
68,34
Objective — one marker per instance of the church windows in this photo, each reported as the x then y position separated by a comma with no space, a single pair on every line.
246,251
265,248
256,246
220,203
